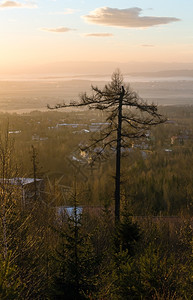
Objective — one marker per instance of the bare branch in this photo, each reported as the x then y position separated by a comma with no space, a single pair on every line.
129,116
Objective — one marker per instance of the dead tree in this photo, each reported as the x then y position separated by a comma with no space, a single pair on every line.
128,117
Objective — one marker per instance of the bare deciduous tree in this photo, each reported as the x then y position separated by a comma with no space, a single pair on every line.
128,117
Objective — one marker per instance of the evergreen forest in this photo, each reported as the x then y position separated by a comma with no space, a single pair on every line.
58,238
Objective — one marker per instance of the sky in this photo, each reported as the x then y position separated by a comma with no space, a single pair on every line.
41,32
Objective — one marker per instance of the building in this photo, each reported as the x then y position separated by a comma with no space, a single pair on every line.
28,187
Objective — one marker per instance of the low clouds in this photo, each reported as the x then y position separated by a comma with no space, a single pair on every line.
98,34
16,4
128,18
68,11
57,29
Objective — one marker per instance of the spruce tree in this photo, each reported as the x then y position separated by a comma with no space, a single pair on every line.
75,259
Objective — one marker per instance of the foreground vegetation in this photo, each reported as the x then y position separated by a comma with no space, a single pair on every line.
48,256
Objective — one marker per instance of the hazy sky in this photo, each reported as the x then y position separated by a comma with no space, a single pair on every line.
47,31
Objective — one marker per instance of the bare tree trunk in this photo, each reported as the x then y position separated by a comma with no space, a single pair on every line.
34,162
4,224
76,244
118,159
5,165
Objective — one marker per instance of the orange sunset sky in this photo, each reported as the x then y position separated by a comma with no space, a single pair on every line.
35,34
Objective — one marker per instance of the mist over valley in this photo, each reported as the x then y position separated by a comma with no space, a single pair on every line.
23,94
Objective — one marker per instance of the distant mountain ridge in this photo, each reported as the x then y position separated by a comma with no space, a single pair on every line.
131,68
107,67
166,73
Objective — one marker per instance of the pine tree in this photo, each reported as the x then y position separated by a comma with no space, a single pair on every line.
75,259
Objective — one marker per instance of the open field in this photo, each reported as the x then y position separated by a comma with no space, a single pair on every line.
24,96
